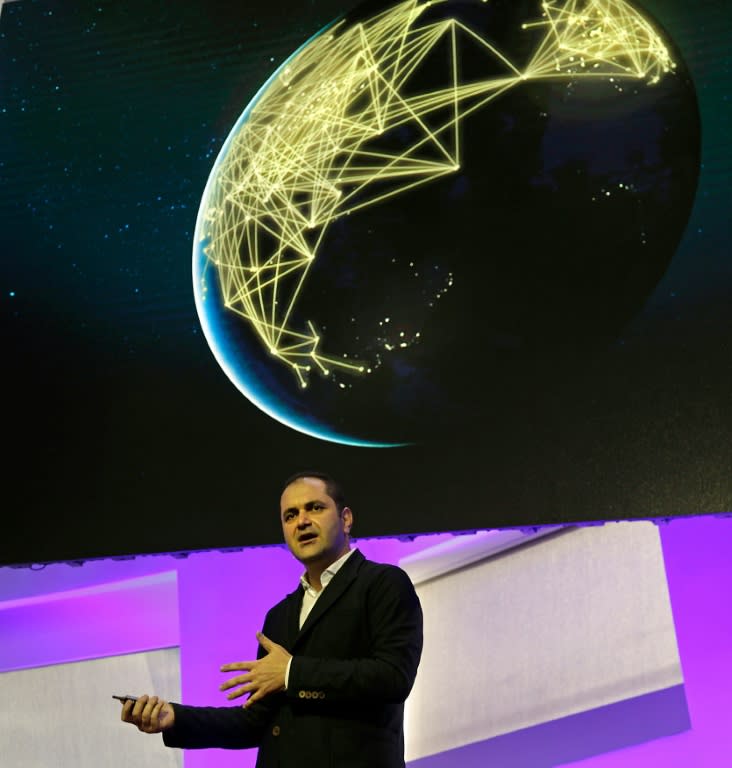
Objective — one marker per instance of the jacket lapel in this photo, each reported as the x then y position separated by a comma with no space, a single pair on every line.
338,585
292,615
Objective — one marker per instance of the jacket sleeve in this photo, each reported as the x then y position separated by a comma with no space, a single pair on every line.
393,616
223,727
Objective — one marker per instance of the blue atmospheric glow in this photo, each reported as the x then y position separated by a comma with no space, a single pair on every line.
249,387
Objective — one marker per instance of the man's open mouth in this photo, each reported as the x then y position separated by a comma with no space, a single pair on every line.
307,537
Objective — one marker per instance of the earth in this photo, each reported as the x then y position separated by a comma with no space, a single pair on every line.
432,206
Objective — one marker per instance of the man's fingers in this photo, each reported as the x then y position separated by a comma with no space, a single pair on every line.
155,715
248,703
137,710
260,693
264,641
235,681
237,665
159,716
147,713
240,691
126,714
150,714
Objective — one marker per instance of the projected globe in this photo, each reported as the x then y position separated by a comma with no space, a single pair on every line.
431,204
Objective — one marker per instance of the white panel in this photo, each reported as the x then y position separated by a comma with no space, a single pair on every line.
563,624
465,549
64,715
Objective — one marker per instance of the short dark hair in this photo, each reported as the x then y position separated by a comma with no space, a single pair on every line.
332,487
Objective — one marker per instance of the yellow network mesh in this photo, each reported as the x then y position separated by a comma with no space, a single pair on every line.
309,153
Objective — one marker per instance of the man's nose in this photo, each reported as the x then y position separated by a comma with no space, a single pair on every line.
303,519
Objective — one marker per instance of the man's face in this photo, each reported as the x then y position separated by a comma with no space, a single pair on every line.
314,530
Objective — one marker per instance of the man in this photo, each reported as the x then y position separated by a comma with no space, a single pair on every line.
336,658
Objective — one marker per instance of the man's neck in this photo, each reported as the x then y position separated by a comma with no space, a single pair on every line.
315,570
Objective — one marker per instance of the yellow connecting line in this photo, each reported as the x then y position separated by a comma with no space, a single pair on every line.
309,152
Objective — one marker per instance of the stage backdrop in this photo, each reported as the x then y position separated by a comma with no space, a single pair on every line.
100,627
472,258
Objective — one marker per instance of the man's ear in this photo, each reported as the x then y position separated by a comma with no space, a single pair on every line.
347,516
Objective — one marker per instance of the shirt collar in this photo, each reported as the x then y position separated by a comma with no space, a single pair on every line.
328,573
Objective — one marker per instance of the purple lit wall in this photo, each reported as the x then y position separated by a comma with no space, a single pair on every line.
222,598
115,617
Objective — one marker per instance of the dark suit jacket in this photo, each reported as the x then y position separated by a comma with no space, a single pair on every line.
354,664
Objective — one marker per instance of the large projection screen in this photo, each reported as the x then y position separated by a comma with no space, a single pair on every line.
479,285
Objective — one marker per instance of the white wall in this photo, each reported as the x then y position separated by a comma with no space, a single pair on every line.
560,625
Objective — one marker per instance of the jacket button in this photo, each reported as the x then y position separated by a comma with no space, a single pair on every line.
321,694
301,694
276,730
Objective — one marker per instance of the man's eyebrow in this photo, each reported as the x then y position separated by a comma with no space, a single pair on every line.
308,505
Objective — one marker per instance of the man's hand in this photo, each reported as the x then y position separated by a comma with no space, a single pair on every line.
265,676
149,713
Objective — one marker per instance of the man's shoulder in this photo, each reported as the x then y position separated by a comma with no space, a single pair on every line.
386,574
283,605
373,568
